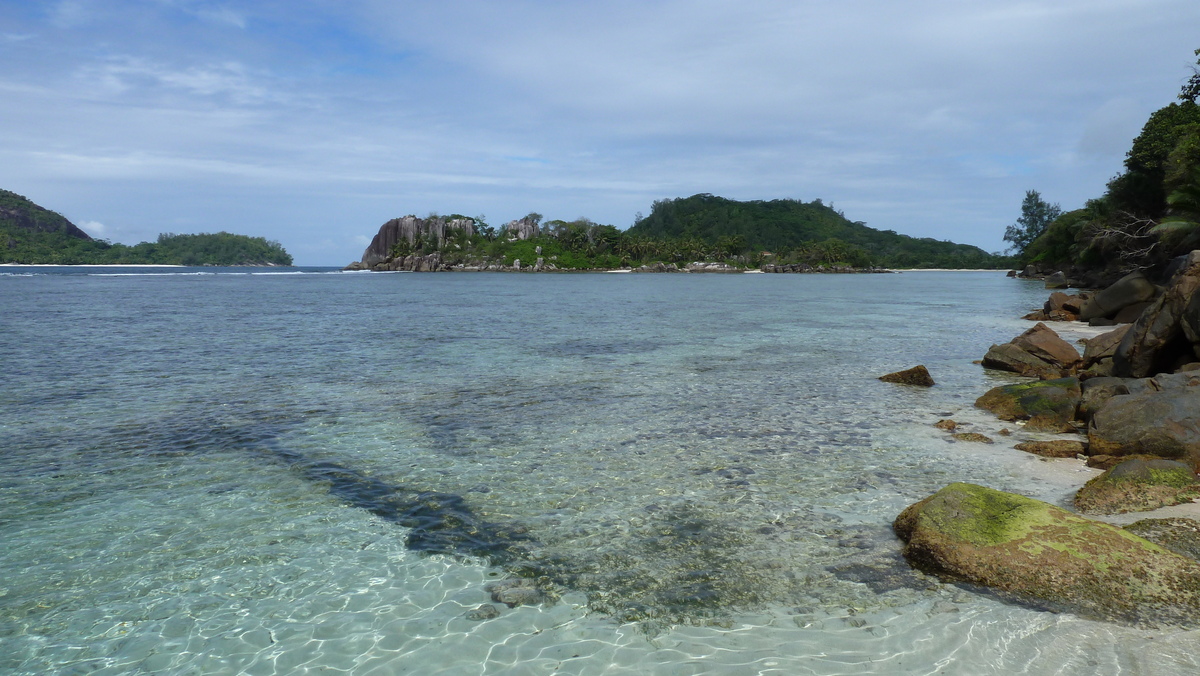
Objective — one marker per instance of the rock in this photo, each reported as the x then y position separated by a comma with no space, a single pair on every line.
1164,382
1057,280
1101,369
1097,392
522,228
1005,432
1130,313
485,611
1048,405
1103,346
1101,321
1179,535
408,229
948,425
1064,448
1130,289
1009,357
1159,423
973,437
1042,554
1037,316
1042,342
917,375
1138,485
1156,342
519,592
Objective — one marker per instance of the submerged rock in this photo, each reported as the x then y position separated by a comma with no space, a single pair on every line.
1048,405
1138,485
519,592
917,375
1064,448
1041,554
485,611
973,437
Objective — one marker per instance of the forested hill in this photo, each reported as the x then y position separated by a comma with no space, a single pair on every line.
18,212
783,225
30,234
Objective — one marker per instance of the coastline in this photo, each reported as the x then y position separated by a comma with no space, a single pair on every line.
92,265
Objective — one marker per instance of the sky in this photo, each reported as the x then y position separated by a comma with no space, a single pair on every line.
312,122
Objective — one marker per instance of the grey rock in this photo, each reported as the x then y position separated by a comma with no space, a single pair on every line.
409,228
1156,342
1162,423
1130,289
1057,280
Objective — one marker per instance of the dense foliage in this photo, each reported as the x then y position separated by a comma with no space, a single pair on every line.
1150,212
1036,216
729,232
792,229
30,234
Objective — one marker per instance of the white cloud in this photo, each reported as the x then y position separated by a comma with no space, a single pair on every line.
94,228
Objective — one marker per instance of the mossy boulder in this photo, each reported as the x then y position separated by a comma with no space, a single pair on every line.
1179,535
1138,485
1039,554
1048,405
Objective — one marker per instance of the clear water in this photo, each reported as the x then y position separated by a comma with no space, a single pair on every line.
217,472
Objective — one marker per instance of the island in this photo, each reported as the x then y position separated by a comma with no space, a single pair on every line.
33,235
701,233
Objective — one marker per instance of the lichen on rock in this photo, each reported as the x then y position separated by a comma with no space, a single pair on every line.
1039,554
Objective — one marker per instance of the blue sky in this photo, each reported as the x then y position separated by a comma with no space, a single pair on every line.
314,121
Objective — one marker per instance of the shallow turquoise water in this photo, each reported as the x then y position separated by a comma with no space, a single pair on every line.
321,473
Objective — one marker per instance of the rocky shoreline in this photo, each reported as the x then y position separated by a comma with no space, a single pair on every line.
1128,405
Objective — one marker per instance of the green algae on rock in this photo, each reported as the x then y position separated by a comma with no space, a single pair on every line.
1138,485
1048,405
1043,555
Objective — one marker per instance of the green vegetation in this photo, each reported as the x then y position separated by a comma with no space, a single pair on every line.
1036,216
740,234
32,235
1149,212
796,231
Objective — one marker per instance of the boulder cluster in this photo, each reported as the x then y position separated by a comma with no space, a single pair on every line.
1131,401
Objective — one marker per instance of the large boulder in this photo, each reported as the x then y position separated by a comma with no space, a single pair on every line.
1097,392
1138,485
1179,535
408,229
1009,357
1130,289
1042,342
1156,342
1057,280
1047,405
1045,555
1103,346
1163,423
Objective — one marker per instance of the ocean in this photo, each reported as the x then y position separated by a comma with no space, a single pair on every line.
305,471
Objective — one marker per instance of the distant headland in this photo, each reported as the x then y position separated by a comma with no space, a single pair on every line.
702,233
33,235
